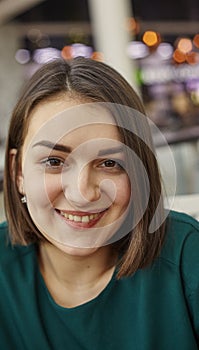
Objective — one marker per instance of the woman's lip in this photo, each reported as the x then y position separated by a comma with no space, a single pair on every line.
81,224
80,213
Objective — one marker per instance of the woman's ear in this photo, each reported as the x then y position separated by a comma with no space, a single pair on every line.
12,165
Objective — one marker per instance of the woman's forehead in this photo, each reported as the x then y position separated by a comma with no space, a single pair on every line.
66,118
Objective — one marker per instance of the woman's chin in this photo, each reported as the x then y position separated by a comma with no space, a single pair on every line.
76,251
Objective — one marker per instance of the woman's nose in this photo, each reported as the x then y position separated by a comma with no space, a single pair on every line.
82,186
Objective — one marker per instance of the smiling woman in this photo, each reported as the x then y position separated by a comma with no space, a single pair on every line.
80,178
89,257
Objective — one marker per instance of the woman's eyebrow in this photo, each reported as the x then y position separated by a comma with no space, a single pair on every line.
112,150
67,149
53,146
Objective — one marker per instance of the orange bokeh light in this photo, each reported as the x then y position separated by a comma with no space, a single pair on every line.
191,57
179,56
196,40
184,45
97,56
132,25
66,52
151,38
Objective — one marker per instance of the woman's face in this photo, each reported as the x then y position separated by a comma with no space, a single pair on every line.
73,174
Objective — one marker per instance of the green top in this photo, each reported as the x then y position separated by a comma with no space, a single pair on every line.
155,309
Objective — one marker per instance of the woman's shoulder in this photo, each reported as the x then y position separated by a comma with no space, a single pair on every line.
4,239
181,253
3,227
8,251
181,246
182,219
179,226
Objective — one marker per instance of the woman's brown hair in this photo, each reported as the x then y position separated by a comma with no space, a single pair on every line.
95,82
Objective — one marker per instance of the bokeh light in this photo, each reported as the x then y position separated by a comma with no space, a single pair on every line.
151,38
97,56
132,25
34,35
22,56
196,40
165,51
179,56
83,50
42,56
192,57
137,49
66,52
184,45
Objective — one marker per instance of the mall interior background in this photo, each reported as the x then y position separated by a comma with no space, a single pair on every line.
156,48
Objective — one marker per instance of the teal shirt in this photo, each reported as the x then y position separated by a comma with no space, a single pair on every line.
155,309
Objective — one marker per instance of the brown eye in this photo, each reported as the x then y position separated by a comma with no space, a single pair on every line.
116,164
110,163
54,162
55,165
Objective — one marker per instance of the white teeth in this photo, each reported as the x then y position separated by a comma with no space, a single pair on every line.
85,218
78,218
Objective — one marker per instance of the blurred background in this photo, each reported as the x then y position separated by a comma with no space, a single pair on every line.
155,45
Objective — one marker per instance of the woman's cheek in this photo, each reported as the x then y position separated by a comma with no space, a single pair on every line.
41,188
53,187
123,190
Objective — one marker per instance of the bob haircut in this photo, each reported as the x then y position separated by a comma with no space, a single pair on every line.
87,80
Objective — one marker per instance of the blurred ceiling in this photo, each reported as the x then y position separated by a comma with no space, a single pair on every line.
170,18
143,9
166,10
10,9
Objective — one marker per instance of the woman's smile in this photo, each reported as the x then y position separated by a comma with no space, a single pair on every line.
80,220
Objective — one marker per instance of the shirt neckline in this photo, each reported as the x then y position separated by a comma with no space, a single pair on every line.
99,298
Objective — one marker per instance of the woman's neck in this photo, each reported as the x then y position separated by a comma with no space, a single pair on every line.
75,279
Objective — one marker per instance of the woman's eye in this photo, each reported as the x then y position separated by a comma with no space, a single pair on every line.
112,163
53,163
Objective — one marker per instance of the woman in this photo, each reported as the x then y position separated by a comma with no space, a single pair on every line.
89,257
